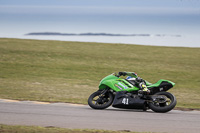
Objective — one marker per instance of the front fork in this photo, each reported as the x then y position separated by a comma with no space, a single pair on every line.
102,96
104,92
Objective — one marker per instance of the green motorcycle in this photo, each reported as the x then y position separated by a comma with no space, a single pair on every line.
124,93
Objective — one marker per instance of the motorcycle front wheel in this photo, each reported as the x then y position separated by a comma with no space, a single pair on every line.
165,106
99,101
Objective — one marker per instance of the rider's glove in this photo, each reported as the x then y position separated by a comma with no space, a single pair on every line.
138,79
122,73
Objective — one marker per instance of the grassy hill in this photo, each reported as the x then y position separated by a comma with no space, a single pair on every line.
59,71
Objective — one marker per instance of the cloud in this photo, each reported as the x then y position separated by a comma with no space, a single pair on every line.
96,10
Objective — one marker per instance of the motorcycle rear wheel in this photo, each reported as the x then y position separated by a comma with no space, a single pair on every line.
164,107
99,101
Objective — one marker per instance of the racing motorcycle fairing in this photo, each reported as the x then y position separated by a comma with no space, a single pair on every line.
120,84
117,84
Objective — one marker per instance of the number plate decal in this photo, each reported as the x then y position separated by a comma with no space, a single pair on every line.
125,101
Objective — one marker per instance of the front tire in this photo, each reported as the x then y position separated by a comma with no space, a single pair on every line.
99,101
163,107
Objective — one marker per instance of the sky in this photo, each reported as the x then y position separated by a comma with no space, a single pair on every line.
174,17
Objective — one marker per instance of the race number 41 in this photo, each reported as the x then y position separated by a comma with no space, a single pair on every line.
125,101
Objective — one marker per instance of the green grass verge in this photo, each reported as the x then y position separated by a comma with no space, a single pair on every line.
58,71
36,129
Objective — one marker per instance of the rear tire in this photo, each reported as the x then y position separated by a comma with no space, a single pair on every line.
101,102
162,108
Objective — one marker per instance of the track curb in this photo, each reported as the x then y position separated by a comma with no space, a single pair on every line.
38,102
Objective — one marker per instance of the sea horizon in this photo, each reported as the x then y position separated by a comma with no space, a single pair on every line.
157,23
150,40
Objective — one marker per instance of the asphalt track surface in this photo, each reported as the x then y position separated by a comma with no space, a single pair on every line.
83,117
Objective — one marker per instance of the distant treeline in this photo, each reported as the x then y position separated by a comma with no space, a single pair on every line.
93,34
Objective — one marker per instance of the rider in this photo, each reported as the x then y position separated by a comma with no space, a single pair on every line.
139,81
